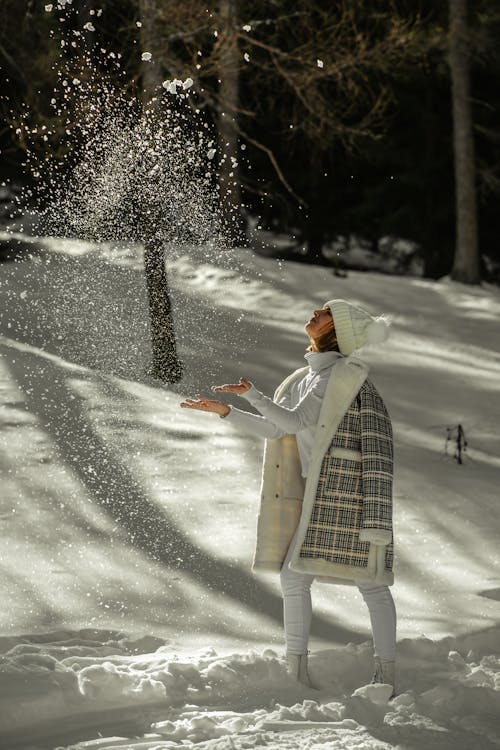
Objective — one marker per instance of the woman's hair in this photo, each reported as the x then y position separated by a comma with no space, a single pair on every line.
325,342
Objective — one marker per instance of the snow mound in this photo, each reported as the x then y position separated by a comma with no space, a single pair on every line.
379,693
79,683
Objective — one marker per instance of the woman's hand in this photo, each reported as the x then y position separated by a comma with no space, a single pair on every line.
238,388
204,404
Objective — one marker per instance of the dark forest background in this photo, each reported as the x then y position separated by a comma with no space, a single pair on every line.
339,114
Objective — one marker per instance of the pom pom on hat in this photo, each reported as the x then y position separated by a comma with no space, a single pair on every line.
378,330
355,327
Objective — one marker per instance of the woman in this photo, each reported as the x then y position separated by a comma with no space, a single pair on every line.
326,496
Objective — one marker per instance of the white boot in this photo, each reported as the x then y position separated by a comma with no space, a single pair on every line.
384,673
296,666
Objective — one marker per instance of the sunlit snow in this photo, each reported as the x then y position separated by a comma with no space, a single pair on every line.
87,441
130,615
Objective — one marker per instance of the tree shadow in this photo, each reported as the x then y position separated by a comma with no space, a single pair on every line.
490,594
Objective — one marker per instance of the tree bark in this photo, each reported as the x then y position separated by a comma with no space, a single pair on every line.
466,260
165,364
229,183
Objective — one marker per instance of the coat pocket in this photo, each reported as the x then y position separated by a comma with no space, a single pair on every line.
347,453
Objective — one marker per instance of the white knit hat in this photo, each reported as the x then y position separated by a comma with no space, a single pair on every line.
355,327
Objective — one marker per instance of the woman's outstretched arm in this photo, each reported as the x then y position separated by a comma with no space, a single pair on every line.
255,423
289,420
259,425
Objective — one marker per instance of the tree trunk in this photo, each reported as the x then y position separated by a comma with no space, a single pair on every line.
466,261
437,258
165,365
229,183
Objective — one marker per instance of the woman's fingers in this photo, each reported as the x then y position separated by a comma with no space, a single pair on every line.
201,403
231,387
193,403
204,404
188,403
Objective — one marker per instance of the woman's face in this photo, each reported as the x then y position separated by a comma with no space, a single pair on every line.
321,321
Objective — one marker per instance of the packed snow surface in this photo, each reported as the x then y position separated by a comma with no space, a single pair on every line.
131,617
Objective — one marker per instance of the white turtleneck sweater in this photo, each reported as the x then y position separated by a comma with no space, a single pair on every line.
298,410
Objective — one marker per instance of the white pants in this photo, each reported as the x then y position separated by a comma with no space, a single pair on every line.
297,611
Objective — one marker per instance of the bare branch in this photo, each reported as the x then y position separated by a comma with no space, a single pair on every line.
275,164
12,63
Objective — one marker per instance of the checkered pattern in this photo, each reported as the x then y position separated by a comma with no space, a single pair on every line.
354,494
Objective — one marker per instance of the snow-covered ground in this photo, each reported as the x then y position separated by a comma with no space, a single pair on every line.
128,523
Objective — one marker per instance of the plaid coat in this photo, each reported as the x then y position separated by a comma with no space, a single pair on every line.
347,495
